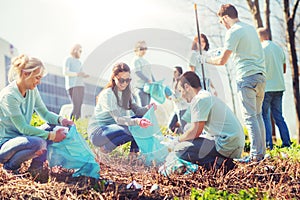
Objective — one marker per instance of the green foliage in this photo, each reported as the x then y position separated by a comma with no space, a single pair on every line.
292,153
213,193
36,120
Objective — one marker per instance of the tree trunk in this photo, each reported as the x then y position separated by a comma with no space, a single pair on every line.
267,17
290,18
254,8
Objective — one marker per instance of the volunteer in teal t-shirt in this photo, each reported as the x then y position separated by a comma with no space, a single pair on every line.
242,42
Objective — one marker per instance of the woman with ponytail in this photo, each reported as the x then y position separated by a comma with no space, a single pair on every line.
108,127
19,141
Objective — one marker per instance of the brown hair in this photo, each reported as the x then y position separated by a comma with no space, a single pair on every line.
228,9
263,33
191,79
195,42
23,63
126,94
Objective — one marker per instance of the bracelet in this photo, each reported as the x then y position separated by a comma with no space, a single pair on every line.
51,136
60,119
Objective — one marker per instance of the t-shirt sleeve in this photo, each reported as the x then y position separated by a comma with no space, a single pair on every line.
231,41
137,65
201,109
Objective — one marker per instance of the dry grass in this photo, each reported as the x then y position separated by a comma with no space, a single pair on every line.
278,177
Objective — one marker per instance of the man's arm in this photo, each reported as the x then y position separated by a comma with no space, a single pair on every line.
193,132
219,60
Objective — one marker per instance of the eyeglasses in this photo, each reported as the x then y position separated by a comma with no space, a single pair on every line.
123,80
143,48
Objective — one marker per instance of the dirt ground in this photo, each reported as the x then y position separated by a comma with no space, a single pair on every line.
278,177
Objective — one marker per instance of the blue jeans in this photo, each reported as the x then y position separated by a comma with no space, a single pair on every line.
251,92
20,149
201,151
273,104
111,136
142,98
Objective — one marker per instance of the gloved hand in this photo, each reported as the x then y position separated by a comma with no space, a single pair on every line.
152,105
144,123
173,143
65,122
201,59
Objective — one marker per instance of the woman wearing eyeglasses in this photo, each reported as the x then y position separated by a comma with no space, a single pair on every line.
108,127
74,80
142,74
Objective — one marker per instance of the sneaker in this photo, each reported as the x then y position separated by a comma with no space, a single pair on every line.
39,174
249,159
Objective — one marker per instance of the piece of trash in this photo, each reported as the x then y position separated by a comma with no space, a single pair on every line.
134,185
154,188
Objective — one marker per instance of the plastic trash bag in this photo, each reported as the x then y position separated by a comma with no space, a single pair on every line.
175,165
156,91
149,140
74,153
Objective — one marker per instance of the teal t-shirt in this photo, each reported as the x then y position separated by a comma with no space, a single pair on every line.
141,65
274,61
16,112
195,62
245,45
220,123
73,65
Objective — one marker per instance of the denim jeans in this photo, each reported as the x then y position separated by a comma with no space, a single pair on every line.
20,149
76,95
142,98
201,151
273,104
251,92
111,136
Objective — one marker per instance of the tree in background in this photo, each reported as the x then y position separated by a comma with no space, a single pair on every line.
291,29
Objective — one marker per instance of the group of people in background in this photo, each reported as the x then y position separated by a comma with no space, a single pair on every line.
259,65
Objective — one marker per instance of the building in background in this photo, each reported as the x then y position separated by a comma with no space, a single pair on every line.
52,88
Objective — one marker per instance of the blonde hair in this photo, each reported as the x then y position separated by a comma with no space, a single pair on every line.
23,63
140,44
74,50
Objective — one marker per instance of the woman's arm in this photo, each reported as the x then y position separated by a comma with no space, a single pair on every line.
26,129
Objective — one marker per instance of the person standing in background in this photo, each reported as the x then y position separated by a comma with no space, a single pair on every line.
195,64
272,104
241,40
74,75
142,74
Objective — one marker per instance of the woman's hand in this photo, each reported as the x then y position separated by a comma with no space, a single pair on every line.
144,123
152,105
